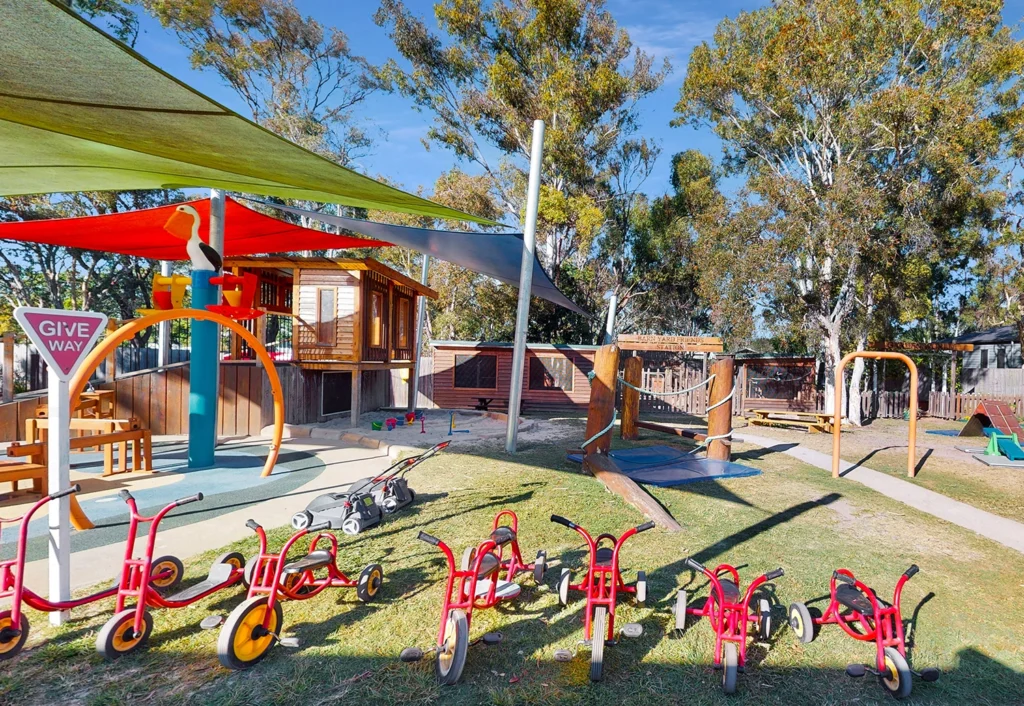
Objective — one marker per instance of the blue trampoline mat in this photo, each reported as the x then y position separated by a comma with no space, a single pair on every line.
944,432
666,466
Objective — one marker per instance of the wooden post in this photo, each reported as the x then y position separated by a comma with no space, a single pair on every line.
631,398
261,336
357,384
602,398
7,385
720,418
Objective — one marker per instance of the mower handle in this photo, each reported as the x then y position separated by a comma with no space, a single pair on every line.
644,527
190,499
909,573
67,491
428,538
772,575
694,564
318,527
843,578
562,521
252,524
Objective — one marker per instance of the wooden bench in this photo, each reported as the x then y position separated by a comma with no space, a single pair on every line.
36,470
14,471
482,403
813,422
111,432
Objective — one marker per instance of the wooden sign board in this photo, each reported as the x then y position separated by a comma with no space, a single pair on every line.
650,342
915,346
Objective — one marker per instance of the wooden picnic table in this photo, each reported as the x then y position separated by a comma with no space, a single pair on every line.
107,434
813,422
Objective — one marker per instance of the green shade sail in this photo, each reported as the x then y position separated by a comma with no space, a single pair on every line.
80,111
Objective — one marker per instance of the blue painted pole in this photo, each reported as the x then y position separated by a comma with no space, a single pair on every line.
202,395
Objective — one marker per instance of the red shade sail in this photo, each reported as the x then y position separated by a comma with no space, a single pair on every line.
141,233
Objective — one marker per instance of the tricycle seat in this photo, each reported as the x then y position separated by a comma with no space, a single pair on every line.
730,591
603,556
503,535
489,563
312,561
854,598
504,591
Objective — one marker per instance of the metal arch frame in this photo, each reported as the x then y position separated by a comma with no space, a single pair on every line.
838,408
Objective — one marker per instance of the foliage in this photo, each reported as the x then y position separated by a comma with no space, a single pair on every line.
120,19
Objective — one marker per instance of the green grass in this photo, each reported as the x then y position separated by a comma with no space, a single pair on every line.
964,606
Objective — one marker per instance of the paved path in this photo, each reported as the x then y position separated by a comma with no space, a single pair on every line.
999,529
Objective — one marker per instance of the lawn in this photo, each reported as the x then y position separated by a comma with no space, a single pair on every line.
963,608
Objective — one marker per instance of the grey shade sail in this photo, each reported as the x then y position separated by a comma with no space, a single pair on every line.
497,255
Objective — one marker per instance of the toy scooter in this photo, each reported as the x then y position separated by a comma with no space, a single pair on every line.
13,622
484,579
255,625
730,616
602,586
366,501
130,628
855,608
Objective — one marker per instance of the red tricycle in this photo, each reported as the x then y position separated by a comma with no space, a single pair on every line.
602,586
13,623
130,628
730,616
485,578
855,608
254,625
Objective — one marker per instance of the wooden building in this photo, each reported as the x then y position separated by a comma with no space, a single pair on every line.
356,322
476,374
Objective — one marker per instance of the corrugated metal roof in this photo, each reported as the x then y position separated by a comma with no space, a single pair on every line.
997,334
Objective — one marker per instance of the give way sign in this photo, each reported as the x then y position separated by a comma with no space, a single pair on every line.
63,337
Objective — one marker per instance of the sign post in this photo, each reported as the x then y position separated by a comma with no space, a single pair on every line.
63,338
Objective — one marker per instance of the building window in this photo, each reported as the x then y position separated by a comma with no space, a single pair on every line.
403,323
376,332
551,373
476,371
327,316
1001,357
984,358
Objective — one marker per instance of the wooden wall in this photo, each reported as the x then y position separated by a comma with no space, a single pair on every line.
346,287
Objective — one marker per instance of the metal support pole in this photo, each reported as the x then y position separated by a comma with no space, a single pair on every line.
609,326
59,478
525,285
163,350
421,318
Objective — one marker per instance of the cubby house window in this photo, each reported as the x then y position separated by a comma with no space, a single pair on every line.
402,323
476,371
551,373
327,316
376,333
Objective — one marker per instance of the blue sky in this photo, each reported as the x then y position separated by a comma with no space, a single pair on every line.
665,28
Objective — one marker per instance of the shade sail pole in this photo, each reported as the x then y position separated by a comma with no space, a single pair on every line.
421,317
525,284
163,349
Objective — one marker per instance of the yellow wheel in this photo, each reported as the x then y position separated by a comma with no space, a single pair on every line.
12,638
165,573
369,583
118,637
897,681
235,559
451,656
243,640
801,623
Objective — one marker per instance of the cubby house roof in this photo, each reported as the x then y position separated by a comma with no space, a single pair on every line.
349,264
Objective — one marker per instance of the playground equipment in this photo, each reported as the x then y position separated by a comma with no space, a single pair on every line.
1007,445
451,425
838,406
484,579
130,628
238,296
730,616
855,608
14,625
255,625
602,586
168,293
367,500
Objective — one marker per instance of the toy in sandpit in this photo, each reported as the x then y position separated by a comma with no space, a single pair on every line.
602,585
390,423
730,616
451,426
130,628
14,626
485,578
855,608
367,500
255,625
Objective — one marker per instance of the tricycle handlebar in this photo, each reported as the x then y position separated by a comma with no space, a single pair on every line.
644,527
190,499
844,578
67,491
772,575
562,521
694,564
428,538
252,524
124,495
909,573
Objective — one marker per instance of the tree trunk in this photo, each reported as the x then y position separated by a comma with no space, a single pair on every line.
853,412
833,354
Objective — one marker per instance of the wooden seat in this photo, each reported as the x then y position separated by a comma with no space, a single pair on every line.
14,471
111,432
813,422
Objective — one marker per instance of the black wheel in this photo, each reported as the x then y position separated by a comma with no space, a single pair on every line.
468,557
243,642
563,587
412,496
165,573
370,582
680,610
898,682
764,619
352,525
302,520
540,565
250,570
11,644
641,587
117,637
451,657
730,667
234,559
801,622
598,632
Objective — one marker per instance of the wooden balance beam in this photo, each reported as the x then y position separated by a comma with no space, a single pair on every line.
605,470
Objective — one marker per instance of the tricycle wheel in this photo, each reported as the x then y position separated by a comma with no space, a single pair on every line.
540,565
468,557
680,610
730,667
243,642
234,559
451,655
801,622
598,632
171,569
369,583
563,587
764,619
641,587
250,569
117,637
898,682
11,644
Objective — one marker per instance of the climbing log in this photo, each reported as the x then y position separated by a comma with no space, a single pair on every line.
604,469
720,418
633,374
602,398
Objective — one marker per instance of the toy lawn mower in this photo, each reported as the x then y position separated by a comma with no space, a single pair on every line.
367,500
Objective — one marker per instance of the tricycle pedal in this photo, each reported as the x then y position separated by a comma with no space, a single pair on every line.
292,642
929,674
411,654
492,638
563,655
856,670
632,629
211,622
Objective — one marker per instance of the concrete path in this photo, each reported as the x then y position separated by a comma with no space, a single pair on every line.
1006,532
344,463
